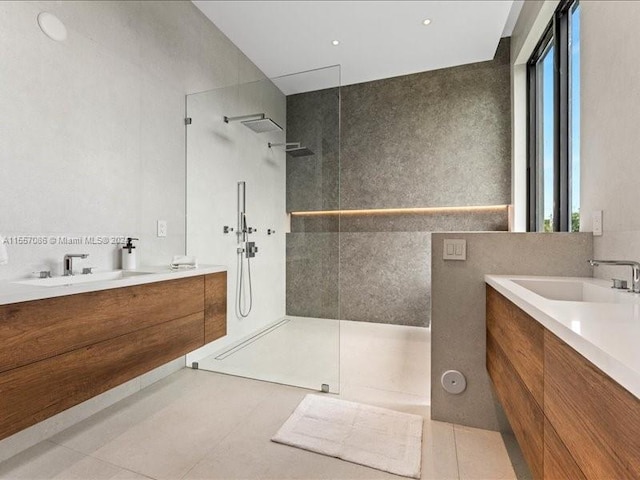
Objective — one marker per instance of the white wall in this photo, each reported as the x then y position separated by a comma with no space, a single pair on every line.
610,141
92,131
219,155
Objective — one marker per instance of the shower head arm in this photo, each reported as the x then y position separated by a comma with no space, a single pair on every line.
255,116
285,145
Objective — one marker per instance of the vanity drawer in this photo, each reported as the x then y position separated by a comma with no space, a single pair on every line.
524,414
215,306
521,338
32,331
597,419
558,462
37,391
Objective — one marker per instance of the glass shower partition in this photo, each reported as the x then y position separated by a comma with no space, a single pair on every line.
263,163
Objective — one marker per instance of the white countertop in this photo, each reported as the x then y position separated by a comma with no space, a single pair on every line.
607,334
11,292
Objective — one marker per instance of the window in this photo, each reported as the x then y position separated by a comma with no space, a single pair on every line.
574,116
553,169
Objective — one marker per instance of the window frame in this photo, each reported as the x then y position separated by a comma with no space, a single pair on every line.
557,35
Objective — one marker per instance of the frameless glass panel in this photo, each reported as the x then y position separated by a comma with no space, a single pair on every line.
313,268
546,120
574,117
244,174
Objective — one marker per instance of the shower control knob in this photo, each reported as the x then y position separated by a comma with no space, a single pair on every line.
227,229
270,231
619,284
251,230
251,249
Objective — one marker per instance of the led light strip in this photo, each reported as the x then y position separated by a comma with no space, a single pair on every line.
404,211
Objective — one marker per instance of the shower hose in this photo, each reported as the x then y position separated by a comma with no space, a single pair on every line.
241,287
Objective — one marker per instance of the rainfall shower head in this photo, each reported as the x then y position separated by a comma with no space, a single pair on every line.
299,152
258,122
262,125
294,149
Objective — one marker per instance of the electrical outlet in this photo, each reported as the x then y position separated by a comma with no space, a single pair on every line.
162,228
597,223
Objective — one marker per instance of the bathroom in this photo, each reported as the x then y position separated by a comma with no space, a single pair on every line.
117,131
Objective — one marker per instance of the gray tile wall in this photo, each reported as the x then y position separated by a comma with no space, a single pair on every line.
312,274
381,272
329,276
385,277
439,138
458,310
313,119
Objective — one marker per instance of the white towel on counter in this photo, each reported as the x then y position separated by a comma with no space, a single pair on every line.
4,255
184,262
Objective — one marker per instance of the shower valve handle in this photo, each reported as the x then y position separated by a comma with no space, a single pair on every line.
252,230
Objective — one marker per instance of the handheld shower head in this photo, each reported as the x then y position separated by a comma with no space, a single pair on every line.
258,122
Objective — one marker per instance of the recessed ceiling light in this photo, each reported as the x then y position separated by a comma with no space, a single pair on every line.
426,21
335,43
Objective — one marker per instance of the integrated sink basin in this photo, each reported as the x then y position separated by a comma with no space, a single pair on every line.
576,290
77,279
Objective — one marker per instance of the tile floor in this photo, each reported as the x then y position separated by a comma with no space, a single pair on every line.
196,424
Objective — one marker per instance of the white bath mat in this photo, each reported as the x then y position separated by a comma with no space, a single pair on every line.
376,437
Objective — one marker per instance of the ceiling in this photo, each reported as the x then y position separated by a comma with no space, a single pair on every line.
378,39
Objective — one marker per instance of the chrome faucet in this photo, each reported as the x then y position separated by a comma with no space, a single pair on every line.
635,266
68,262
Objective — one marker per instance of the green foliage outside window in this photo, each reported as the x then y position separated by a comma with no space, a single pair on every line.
575,221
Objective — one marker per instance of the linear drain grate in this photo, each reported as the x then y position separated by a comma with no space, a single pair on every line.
249,341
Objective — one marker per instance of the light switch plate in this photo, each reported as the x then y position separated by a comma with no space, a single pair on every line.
597,223
162,228
454,249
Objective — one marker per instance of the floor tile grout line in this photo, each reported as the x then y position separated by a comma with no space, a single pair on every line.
87,455
217,444
352,385
228,434
205,454
231,430
455,447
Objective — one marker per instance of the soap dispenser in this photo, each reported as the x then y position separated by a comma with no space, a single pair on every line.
129,255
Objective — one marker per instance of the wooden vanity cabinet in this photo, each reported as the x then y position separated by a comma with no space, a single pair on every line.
215,306
558,462
597,419
32,331
586,426
56,353
515,358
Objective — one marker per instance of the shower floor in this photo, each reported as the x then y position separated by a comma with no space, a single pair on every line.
293,351
360,360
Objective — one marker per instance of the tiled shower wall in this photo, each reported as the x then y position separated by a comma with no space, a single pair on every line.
432,139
